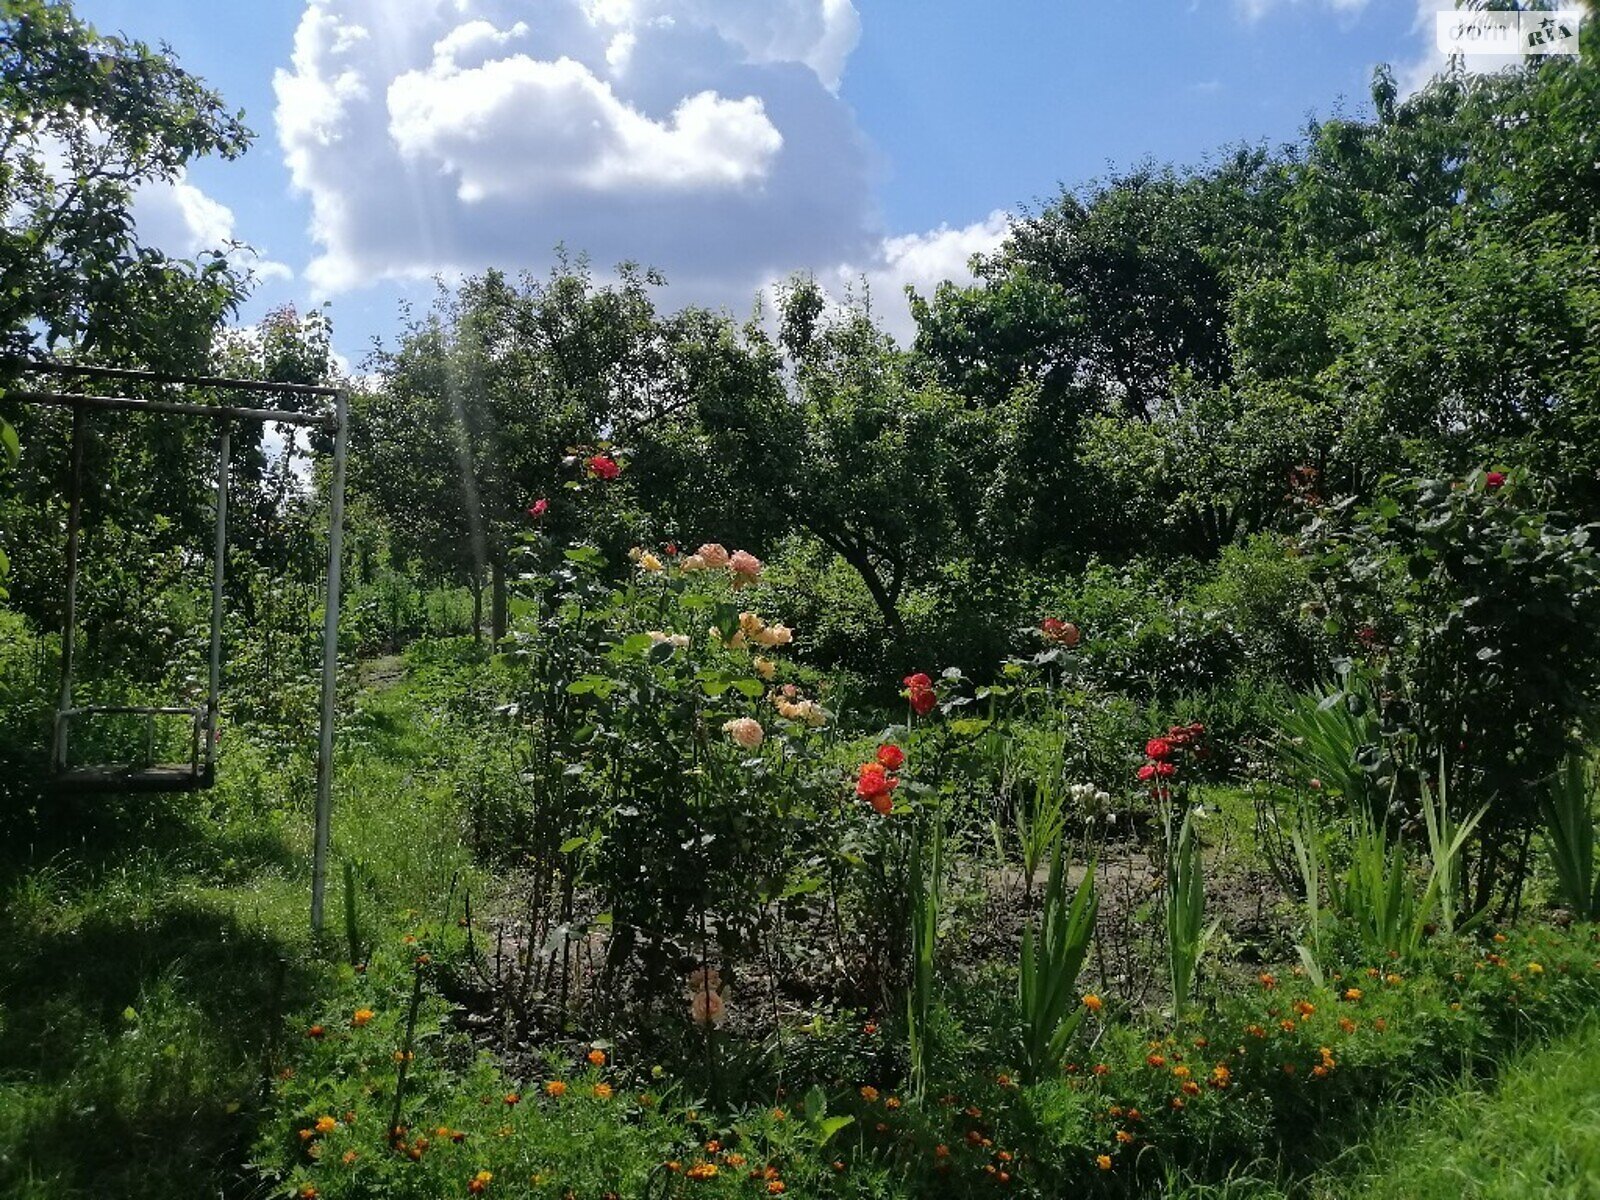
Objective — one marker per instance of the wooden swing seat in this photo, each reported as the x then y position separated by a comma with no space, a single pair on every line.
131,777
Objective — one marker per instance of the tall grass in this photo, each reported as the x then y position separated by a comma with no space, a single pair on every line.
1187,933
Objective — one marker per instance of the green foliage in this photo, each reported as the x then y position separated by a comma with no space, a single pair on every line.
1476,609
1186,931
1568,806
85,118
1052,958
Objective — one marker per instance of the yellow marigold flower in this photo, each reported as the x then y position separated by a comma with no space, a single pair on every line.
555,1088
1392,979
702,1170
1535,969
597,1057
602,1091
1180,1071
1221,1076
1103,1162
1124,1136
326,1124
1093,1003
362,1016
1352,993
480,1182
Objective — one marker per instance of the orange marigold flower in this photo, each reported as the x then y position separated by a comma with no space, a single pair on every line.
602,1091
1155,1060
1255,1031
869,1094
776,1188
1093,1003
326,1124
1180,1071
1304,1008
1268,980
315,1031
513,1098
941,1151
702,1170
1380,1024
1352,994
555,1088
1124,1136
597,1057
892,1103
1101,1069
1103,1162
1319,1071
1286,1025
361,1016
1190,1088
1346,1024
308,1192
1220,1076
480,1182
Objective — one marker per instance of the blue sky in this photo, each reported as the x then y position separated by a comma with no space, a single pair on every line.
729,142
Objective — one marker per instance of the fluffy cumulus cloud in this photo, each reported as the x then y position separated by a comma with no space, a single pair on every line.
921,261
701,137
182,220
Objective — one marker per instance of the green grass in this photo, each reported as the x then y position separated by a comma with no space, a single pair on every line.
151,949
1533,1132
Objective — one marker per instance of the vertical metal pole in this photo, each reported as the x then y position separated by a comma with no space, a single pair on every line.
58,752
218,571
330,664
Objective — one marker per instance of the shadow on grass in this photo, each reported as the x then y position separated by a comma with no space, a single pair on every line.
134,1043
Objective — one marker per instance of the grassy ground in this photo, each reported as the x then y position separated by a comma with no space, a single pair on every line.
149,950
1535,1132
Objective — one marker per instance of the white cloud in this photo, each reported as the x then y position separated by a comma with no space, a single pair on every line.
919,260
819,33
518,127
700,137
180,219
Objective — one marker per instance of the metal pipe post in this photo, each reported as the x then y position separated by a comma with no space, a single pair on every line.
218,572
330,663
58,751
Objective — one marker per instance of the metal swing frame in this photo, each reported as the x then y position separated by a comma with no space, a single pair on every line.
200,771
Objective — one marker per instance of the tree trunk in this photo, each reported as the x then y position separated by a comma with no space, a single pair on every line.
497,607
881,596
477,608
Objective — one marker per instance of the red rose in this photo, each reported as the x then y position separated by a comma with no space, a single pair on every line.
1166,770
602,467
672,549
1494,481
538,508
891,757
1147,772
1158,749
919,691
